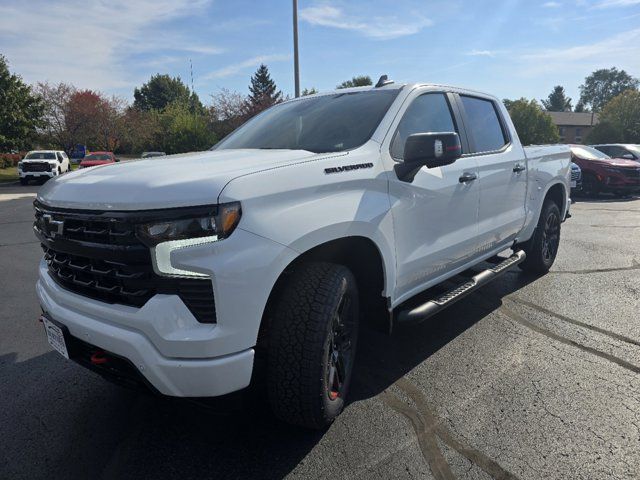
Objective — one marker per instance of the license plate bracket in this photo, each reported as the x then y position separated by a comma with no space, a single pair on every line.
55,336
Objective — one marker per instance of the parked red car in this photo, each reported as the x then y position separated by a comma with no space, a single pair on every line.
601,173
98,158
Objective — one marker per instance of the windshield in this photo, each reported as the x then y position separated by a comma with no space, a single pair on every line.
589,153
40,156
98,156
329,123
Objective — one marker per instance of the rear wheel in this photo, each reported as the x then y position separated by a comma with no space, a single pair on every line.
542,248
313,334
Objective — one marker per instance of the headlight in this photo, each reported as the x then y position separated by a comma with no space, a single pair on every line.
165,236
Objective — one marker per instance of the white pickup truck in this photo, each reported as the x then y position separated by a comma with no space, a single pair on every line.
43,165
197,274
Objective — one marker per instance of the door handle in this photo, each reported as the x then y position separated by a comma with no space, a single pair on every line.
467,177
519,168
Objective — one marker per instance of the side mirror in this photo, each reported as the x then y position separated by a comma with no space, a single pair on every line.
430,150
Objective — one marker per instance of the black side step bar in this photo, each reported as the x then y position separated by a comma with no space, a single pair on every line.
427,309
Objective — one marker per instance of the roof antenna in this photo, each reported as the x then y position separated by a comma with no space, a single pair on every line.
383,80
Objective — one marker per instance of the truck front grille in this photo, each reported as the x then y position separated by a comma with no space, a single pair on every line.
97,255
36,167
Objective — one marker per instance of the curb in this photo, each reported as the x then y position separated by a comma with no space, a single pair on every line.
9,184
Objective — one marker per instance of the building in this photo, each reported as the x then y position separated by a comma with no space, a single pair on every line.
574,126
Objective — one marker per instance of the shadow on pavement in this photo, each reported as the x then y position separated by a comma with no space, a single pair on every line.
65,422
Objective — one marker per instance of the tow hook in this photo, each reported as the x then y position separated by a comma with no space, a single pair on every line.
99,357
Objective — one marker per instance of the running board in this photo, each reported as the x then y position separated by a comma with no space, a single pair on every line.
430,308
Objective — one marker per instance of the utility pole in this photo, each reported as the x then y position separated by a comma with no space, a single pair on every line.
296,66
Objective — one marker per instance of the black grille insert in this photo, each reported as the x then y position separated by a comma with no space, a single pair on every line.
36,167
97,254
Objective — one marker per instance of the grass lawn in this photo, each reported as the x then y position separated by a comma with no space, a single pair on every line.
11,174
8,174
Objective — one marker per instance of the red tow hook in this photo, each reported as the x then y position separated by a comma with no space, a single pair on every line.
99,357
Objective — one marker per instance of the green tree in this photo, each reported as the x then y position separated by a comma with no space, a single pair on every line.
20,110
533,125
603,85
182,130
309,91
619,120
264,92
580,107
357,81
161,90
557,101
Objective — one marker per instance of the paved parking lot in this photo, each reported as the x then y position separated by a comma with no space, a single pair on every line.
528,379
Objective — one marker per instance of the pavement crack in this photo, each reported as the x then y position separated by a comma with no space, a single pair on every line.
615,226
426,437
428,428
566,341
541,309
17,244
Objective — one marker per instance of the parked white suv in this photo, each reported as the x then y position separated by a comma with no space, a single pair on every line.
43,164
262,257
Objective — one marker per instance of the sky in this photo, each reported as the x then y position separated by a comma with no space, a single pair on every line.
509,48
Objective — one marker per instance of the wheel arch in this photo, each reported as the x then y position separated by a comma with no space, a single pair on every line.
556,191
360,254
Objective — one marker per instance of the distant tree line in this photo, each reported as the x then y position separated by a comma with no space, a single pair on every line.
611,93
167,115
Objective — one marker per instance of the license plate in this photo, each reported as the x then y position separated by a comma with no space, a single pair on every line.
55,337
573,184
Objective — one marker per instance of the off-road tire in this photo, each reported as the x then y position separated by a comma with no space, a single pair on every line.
301,340
547,235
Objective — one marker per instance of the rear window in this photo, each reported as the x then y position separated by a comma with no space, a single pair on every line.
98,156
40,156
484,124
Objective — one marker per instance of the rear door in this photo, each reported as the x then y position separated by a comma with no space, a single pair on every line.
501,170
435,215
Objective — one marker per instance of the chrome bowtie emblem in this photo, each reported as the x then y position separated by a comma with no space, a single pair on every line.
52,227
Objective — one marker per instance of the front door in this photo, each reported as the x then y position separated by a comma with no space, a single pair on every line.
435,216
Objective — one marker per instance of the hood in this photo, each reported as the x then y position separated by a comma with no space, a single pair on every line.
39,160
162,182
608,162
623,162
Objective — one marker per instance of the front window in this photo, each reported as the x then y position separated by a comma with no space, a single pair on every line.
588,153
329,123
428,113
98,156
40,156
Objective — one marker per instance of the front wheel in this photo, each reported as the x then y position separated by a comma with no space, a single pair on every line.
312,344
24,181
542,248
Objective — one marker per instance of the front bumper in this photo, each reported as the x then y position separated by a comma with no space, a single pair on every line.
35,175
172,351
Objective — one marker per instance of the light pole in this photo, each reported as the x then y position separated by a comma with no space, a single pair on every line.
296,67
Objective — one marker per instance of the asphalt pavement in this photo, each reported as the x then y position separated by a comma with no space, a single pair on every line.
529,378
